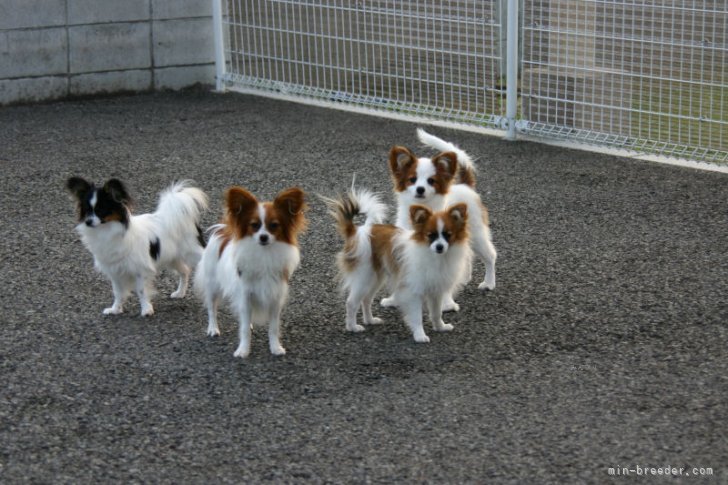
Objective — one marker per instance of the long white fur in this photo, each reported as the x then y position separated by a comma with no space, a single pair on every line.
481,238
122,254
251,278
423,277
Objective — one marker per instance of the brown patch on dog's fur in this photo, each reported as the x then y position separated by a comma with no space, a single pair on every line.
114,217
382,238
402,166
239,208
419,215
455,223
343,210
241,211
446,165
466,176
284,217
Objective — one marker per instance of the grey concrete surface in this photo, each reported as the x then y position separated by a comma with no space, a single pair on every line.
603,345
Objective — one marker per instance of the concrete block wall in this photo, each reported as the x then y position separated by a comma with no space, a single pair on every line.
50,49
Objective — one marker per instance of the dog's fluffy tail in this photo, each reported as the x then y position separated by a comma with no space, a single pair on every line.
180,208
466,168
356,202
345,209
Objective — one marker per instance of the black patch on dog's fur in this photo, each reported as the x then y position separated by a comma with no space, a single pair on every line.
109,208
200,236
155,247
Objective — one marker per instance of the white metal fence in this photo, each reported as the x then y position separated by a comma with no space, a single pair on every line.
648,75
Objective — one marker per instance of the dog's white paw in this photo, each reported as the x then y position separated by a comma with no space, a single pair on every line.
354,328
178,294
375,321
242,352
388,302
486,286
445,327
148,311
113,310
213,331
277,350
422,338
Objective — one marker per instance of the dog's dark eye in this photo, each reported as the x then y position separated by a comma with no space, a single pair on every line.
255,225
446,236
432,236
413,180
431,181
273,226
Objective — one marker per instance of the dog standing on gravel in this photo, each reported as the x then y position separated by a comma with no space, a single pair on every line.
249,259
421,265
446,179
131,249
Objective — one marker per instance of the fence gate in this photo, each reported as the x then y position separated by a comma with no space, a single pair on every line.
646,75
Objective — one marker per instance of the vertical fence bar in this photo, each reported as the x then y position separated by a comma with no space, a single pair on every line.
217,33
512,69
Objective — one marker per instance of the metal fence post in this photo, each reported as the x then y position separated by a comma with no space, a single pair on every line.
512,68
219,44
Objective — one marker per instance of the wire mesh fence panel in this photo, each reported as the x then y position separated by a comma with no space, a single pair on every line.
439,59
645,75
648,75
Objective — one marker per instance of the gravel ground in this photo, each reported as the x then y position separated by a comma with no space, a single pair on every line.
603,345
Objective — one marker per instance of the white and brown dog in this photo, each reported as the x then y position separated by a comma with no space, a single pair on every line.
249,259
444,180
421,265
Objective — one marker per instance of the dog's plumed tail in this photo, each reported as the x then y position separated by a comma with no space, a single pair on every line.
466,168
345,209
180,208
356,202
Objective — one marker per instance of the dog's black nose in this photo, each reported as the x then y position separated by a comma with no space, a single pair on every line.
439,248
263,238
420,190
90,222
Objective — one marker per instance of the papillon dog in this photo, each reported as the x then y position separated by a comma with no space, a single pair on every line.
131,249
446,179
421,264
249,259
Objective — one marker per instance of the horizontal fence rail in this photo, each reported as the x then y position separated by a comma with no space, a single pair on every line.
644,75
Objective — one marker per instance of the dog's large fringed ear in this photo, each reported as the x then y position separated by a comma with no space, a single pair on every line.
419,214
117,190
291,201
239,201
459,214
78,187
400,159
446,163
290,204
